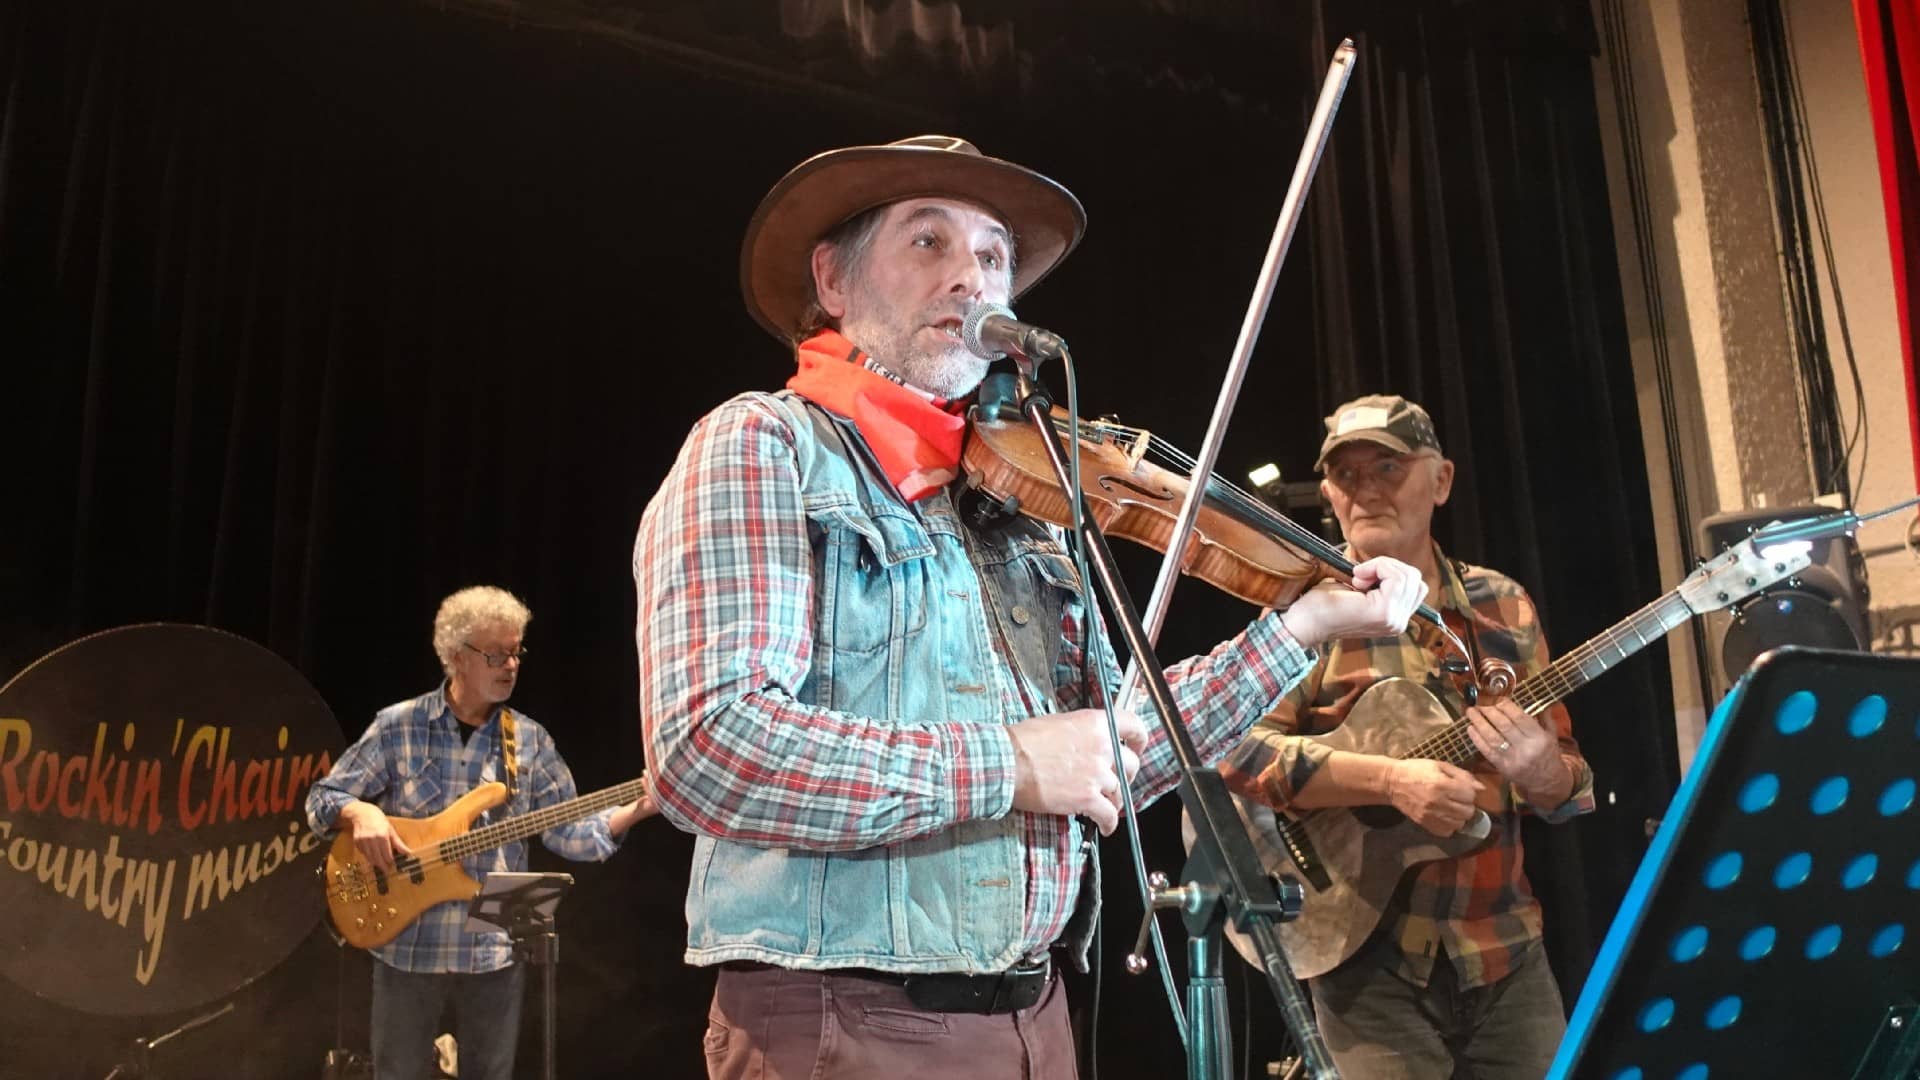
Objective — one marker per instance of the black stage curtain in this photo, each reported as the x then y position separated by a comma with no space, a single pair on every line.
310,316
1464,256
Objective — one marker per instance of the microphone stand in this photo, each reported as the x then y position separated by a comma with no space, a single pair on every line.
1824,527
142,1067
1229,881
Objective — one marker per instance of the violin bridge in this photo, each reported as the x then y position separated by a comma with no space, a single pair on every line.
1134,441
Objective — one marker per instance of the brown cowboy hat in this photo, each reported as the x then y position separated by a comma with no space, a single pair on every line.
776,271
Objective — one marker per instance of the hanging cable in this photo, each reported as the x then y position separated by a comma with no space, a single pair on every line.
1096,640
1780,105
1818,202
1633,161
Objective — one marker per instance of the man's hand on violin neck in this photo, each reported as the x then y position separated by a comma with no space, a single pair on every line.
1385,592
1063,764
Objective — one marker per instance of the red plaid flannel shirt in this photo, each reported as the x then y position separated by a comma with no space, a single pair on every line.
1479,907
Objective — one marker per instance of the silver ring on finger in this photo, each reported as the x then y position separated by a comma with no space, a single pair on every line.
1503,747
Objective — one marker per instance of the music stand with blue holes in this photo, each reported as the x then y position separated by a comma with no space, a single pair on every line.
1773,927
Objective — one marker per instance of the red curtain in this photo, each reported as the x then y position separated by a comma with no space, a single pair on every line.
1890,54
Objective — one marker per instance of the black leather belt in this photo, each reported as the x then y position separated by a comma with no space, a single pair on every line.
1007,991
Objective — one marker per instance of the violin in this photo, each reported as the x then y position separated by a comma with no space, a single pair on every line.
1240,545
1237,544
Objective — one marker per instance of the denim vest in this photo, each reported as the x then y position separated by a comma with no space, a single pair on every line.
916,616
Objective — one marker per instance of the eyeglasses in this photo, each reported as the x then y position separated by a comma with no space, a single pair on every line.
1387,473
498,659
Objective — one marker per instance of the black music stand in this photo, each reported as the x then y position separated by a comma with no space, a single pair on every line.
1767,932
523,906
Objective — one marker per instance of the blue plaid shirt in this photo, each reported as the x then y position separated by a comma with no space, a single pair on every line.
413,763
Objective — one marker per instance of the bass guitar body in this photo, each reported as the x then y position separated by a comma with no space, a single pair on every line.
371,906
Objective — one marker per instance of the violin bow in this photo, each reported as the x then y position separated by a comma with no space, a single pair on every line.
1319,130
1295,1010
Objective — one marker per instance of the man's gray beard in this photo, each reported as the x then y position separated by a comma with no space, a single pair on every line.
950,374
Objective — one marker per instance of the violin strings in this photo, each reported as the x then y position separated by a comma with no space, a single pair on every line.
1159,451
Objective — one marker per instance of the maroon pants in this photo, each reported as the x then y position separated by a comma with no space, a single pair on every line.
776,1024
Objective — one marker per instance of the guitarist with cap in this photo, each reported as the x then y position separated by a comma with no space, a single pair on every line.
1455,972
414,760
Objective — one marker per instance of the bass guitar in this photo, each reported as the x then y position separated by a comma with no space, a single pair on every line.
370,906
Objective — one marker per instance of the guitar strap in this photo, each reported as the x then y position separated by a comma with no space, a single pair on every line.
1470,625
1474,651
509,751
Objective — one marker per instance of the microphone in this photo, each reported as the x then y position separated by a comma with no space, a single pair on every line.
990,332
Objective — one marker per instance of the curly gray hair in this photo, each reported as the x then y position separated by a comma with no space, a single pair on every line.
471,609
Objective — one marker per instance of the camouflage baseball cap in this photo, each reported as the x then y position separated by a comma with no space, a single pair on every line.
1387,419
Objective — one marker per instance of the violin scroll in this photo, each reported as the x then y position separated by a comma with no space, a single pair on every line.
1496,678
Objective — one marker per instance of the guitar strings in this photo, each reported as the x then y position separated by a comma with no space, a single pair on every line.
1562,677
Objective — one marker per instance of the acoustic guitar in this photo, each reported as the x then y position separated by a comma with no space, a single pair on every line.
1351,859
370,906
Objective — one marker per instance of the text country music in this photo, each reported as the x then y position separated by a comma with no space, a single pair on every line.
88,879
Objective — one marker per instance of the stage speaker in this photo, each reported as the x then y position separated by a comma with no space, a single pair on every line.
1823,606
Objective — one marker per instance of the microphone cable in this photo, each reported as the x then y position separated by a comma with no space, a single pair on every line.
1096,639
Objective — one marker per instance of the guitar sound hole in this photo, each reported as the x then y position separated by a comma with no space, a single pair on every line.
1378,817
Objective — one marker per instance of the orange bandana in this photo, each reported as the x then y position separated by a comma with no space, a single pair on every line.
915,436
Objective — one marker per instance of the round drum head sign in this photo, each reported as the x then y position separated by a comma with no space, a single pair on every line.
154,852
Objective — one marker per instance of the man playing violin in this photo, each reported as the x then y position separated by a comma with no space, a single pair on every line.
1456,975
880,724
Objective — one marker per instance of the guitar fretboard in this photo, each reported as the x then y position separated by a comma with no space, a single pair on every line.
1567,674
492,836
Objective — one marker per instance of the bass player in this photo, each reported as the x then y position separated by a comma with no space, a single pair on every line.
414,760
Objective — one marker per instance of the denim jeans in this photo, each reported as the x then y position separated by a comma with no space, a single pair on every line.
406,1019
1378,1026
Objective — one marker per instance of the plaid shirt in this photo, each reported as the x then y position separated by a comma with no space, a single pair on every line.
1479,907
723,571
413,762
